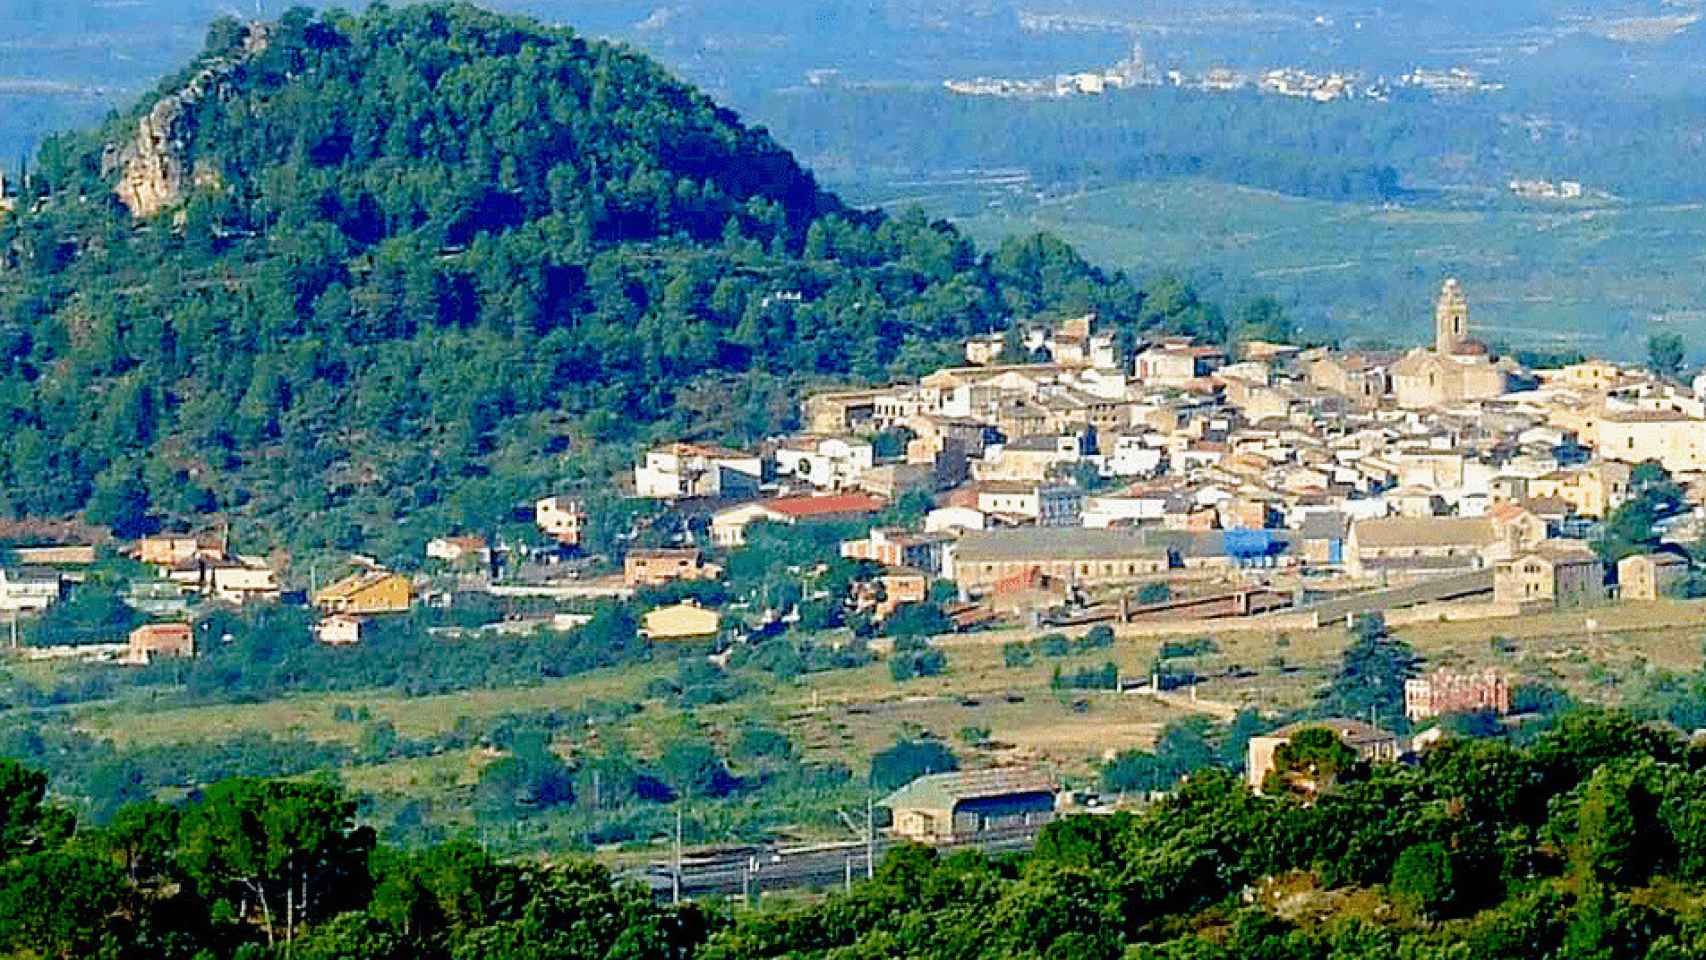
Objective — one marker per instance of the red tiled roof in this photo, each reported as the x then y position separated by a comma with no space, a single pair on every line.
839,503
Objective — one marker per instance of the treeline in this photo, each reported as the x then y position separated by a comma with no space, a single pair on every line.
267,653
258,868
434,262
1586,844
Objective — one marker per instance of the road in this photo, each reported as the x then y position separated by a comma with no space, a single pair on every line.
1435,590
758,869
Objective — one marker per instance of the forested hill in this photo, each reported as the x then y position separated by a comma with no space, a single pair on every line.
351,281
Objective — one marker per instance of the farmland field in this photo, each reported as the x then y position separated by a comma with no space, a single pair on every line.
1596,276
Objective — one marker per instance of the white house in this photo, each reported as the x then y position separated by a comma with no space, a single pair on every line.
828,463
697,470
945,519
561,518
22,591
1130,456
1124,508
1050,505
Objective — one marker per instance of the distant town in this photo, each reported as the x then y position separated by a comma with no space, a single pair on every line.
1286,81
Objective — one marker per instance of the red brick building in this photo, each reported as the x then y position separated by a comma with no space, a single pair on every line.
1443,692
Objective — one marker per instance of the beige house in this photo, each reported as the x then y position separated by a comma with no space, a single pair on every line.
949,807
1069,554
171,550
1596,375
563,519
340,630
1559,573
1177,362
247,581
153,641
1649,576
683,621
1516,527
1419,545
653,568
1674,439
1031,458
1371,745
847,411
1362,378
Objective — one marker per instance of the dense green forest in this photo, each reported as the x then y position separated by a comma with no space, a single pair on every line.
1585,845
428,263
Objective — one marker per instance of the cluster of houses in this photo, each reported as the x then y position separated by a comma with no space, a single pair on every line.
1081,476
188,567
1084,470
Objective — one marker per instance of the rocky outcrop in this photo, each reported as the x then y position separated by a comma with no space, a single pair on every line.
153,171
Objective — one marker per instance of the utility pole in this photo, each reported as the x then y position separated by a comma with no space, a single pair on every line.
675,875
847,882
870,836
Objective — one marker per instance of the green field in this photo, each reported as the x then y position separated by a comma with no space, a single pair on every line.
986,711
1592,276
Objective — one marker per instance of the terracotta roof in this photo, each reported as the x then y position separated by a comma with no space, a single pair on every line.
1505,511
822,506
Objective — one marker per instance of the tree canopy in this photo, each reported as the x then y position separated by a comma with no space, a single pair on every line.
428,262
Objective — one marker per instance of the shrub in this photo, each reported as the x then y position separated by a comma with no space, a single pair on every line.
908,760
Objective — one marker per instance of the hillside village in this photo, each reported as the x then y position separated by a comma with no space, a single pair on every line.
1069,487
1053,481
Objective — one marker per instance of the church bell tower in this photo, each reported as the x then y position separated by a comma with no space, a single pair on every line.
1451,318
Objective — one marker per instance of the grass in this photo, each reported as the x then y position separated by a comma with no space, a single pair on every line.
312,716
1598,655
419,776
1592,662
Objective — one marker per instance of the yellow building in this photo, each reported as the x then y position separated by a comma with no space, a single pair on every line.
1595,375
370,592
1674,439
1594,490
683,621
